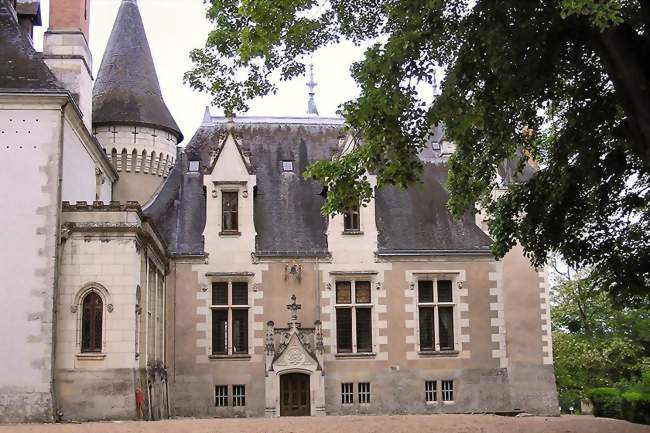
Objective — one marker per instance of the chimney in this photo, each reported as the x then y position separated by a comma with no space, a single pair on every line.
66,51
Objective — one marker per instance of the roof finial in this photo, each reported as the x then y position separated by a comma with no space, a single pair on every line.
311,104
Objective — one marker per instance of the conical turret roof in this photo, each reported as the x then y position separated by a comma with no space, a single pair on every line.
127,88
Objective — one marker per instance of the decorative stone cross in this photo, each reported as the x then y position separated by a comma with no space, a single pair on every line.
293,307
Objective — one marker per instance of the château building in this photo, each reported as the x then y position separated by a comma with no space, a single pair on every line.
143,279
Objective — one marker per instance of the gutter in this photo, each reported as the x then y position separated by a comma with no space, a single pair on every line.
57,263
433,253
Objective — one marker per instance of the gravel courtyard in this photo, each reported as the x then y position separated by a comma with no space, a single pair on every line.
350,424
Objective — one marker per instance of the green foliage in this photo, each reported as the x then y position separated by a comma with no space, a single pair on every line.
603,14
636,406
594,344
566,82
607,402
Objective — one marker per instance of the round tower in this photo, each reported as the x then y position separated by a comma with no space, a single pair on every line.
130,117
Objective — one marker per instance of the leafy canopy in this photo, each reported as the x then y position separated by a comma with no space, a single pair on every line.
594,344
563,82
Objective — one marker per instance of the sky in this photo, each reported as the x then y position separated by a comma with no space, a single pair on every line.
174,27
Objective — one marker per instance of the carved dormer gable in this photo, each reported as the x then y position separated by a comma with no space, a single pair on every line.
230,160
230,182
355,232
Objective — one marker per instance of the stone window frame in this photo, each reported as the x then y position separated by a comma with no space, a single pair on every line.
227,186
455,290
353,278
348,215
229,306
450,391
431,391
347,393
239,395
221,399
363,393
76,308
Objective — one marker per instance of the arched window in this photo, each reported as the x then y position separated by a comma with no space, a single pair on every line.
91,323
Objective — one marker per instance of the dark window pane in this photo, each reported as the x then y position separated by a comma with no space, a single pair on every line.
444,291
91,323
343,292
364,330
240,331
351,219
344,330
362,292
426,328
220,293
220,331
446,327
425,291
240,293
229,210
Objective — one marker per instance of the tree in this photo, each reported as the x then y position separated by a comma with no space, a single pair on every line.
594,344
563,82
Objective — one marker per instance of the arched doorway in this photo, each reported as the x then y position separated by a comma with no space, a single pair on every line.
295,396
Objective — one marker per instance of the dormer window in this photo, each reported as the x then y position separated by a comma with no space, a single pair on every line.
287,165
352,219
229,211
193,166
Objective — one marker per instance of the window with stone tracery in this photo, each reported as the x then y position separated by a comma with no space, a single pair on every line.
353,317
229,317
436,315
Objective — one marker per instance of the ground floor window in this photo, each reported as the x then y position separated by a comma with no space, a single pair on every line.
447,387
347,393
239,395
430,389
221,395
364,392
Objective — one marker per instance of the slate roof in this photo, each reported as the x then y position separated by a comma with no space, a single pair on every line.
416,220
127,88
287,208
21,67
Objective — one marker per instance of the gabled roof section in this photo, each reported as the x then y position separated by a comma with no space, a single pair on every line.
21,68
127,88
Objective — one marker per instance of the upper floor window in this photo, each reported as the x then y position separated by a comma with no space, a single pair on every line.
193,166
436,314
351,219
353,317
229,317
91,323
229,211
287,165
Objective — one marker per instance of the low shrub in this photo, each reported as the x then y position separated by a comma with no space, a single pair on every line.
635,406
607,402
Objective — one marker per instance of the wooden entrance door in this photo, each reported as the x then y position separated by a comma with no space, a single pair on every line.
294,395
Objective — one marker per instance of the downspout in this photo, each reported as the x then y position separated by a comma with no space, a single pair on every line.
317,289
57,263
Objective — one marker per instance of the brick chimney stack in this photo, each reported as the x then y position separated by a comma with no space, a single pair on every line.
66,51
70,14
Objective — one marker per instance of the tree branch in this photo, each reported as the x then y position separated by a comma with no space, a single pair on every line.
624,55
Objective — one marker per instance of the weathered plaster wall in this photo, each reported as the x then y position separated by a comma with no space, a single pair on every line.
81,181
29,137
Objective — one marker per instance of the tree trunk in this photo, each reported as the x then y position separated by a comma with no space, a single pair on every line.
626,57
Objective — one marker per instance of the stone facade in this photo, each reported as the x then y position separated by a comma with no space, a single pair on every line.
111,250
